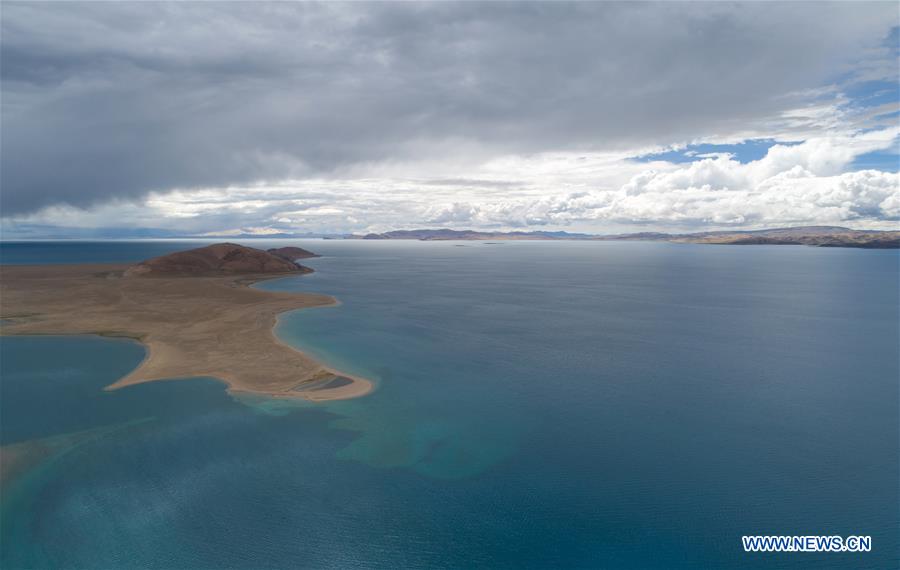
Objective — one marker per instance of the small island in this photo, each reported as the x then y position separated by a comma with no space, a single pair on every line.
194,311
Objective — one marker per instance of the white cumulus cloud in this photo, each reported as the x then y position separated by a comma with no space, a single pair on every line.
802,183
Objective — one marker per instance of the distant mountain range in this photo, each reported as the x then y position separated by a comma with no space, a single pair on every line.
822,236
445,234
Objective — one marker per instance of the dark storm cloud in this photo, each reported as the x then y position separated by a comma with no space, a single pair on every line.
117,99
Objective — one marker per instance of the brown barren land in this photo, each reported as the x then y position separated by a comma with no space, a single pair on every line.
192,324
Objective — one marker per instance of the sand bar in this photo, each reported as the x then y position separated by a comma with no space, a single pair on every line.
214,326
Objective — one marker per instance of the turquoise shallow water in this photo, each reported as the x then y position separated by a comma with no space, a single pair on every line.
569,404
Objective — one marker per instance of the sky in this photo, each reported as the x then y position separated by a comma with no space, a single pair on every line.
213,119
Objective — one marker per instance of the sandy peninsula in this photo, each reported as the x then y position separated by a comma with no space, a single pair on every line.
194,312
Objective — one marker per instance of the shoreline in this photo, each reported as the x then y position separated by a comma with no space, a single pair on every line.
363,386
219,327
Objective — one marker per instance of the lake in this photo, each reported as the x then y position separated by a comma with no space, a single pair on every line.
538,405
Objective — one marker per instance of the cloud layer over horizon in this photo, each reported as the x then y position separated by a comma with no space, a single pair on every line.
214,117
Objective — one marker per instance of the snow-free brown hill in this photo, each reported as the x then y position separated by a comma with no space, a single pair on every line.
217,259
291,253
820,236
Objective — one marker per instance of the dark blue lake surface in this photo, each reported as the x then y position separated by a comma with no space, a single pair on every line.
539,404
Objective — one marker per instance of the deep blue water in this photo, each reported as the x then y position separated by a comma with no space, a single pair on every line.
539,405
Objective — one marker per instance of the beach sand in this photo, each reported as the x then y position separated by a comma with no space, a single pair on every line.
214,326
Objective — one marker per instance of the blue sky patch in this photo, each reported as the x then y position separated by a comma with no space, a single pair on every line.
872,93
744,152
884,160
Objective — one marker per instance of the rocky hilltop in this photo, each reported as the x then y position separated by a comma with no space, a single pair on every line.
291,253
217,259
